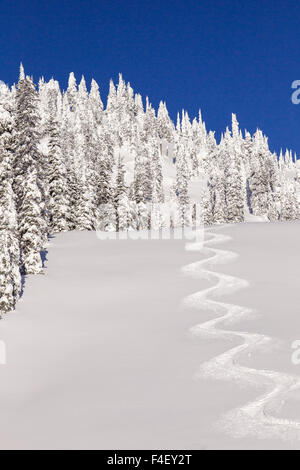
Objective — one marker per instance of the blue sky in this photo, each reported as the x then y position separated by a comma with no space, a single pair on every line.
221,56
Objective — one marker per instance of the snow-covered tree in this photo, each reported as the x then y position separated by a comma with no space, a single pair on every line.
29,177
10,278
67,162
289,203
95,103
217,189
121,201
233,179
72,92
57,180
182,186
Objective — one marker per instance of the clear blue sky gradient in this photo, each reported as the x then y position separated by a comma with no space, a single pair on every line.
221,56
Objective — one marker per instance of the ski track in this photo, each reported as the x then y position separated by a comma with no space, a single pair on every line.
256,418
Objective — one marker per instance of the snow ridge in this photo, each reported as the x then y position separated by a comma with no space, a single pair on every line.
258,417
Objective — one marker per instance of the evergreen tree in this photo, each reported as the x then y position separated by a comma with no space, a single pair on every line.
121,201
28,174
259,181
289,203
95,103
165,126
182,186
57,180
219,207
234,180
10,278
72,92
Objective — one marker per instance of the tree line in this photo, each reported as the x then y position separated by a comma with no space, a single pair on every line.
67,162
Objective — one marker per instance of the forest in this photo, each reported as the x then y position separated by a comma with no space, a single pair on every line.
67,162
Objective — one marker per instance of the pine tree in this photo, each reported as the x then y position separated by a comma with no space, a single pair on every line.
28,178
57,180
142,182
95,103
234,180
217,187
258,202
141,187
165,126
182,186
289,203
83,204
207,210
68,149
10,278
72,92
121,201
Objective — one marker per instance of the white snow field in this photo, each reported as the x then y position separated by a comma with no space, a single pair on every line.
135,344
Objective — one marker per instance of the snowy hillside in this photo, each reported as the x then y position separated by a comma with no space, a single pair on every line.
106,351
116,345
67,162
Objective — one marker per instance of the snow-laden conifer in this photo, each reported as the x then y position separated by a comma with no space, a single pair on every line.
10,278
29,177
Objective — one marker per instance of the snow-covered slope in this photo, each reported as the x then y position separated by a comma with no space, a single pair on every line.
101,351
259,417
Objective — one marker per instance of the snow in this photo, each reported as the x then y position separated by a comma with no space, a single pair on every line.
256,417
104,351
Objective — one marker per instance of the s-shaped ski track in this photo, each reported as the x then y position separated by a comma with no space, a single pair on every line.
256,418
